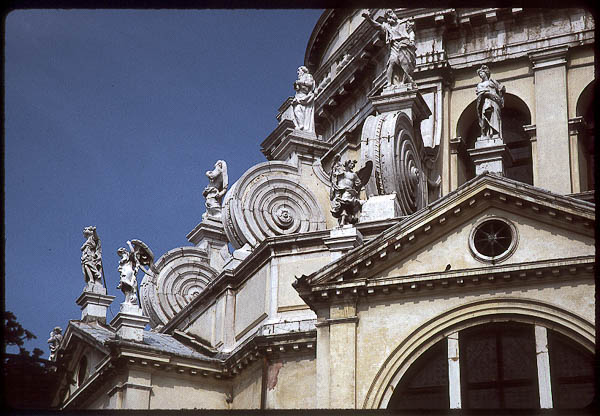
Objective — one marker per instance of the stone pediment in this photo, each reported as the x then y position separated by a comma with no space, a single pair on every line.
437,242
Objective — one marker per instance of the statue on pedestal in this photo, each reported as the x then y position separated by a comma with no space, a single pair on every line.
345,187
216,189
91,258
490,100
400,37
54,342
129,264
304,101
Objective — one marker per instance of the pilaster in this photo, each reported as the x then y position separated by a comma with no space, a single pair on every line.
552,122
342,354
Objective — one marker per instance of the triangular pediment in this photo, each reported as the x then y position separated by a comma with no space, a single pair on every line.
440,238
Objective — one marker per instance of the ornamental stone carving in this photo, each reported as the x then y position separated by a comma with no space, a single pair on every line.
130,262
304,101
178,277
490,101
54,342
400,38
269,200
91,259
215,190
345,188
389,141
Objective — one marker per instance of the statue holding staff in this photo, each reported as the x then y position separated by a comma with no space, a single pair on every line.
91,257
490,101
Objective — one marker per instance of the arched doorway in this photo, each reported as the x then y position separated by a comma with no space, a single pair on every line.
499,369
515,115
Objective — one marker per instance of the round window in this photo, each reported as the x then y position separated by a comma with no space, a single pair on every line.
493,239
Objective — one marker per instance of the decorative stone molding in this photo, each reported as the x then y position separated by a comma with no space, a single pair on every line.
269,200
550,57
179,275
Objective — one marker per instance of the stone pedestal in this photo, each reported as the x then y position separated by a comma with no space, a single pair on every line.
210,235
491,155
405,98
93,303
342,239
130,322
380,207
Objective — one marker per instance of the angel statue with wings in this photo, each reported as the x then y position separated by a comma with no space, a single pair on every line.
130,263
345,187
216,189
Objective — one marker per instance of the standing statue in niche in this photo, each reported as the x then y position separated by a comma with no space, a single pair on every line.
216,189
304,101
490,100
91,258
54,342
400,37
130,263
345,187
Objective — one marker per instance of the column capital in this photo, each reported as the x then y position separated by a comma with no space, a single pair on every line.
549,57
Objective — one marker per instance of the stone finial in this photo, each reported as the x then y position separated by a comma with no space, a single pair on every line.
304,101
400,38
490,101
215,190
54,342
130,263
91,260
345,187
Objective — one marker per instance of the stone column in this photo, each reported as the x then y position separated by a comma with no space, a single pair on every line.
543,367
454,371
342,355
552,122
229,316
578,157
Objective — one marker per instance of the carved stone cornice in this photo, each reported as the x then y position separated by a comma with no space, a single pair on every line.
549,57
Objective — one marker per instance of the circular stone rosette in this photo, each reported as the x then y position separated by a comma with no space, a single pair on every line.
389,141
269,200
179,276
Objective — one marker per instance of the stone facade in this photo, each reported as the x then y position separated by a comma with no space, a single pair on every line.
443,262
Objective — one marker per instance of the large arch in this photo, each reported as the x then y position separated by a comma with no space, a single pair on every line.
465,316
586,137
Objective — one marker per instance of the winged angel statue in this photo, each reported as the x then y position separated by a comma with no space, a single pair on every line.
345,187
130,262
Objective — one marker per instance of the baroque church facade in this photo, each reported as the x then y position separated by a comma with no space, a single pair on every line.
421,235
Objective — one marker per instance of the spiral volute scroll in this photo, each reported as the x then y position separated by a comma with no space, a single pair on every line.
269,200
178,277
389,141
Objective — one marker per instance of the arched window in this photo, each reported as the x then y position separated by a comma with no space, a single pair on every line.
82,370
585,109
515,115
499,370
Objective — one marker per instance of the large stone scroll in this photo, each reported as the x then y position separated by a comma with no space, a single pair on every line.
395,148
269,200
179,276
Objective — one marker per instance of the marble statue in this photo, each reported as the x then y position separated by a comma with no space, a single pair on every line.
216,189
54,342
304,101
130,262
91,258
490,100
345,187
400,38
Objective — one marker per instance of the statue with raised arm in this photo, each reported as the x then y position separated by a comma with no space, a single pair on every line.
91,258
345,188
400,38
304,101
130,262
216,189
54,342
490,100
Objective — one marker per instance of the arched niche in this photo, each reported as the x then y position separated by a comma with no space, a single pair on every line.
568,325
515,115
586,137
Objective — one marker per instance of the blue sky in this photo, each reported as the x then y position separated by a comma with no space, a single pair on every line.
111,119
